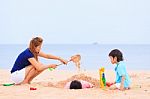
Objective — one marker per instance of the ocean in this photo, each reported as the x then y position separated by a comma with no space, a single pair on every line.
93,56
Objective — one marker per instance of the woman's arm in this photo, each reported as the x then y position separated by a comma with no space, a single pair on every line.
49,56
39,66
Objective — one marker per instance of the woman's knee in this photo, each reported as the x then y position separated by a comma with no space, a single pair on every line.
28,69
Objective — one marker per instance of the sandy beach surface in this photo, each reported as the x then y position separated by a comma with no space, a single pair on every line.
49,85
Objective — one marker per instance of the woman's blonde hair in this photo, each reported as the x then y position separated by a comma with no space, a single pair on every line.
35,42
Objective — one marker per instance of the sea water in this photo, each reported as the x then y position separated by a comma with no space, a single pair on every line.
93,56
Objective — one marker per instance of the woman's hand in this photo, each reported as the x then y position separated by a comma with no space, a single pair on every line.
52,66
63,61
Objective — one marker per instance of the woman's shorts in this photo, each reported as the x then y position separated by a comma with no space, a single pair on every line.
18,76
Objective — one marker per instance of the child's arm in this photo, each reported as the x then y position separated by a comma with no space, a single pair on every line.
122,83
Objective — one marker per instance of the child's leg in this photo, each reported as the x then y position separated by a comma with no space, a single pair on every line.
127,88
115,86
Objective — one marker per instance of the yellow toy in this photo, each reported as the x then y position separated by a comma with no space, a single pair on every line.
102,78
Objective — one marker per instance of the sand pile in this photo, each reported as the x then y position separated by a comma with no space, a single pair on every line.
84,77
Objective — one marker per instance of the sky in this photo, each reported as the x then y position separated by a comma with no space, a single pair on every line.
75,21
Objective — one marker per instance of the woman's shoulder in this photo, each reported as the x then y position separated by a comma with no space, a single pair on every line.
28,53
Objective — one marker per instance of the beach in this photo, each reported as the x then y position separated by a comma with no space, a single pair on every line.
45,89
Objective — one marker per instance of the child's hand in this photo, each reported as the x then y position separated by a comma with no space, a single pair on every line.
53,66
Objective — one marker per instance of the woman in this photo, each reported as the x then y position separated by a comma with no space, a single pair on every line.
27,66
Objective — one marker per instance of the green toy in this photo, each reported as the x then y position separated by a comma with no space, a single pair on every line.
9,84
51,69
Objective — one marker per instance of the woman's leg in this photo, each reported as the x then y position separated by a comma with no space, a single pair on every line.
30,73
36,74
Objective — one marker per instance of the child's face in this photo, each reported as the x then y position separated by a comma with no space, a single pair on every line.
113,60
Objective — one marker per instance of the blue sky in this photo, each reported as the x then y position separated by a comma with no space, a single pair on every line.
75,21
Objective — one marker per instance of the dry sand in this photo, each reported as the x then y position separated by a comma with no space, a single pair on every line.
50,84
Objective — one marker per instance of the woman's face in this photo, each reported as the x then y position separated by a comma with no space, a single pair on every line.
38,48
113,60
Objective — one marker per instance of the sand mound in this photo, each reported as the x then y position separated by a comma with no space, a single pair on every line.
84,77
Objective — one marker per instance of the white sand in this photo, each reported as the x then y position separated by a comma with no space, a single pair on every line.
140,88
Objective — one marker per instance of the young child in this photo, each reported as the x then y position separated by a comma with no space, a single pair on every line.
122,78
78,84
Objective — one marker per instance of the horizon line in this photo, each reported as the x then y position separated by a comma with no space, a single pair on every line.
79,43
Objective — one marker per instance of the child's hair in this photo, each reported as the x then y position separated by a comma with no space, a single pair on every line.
75,84
116,53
